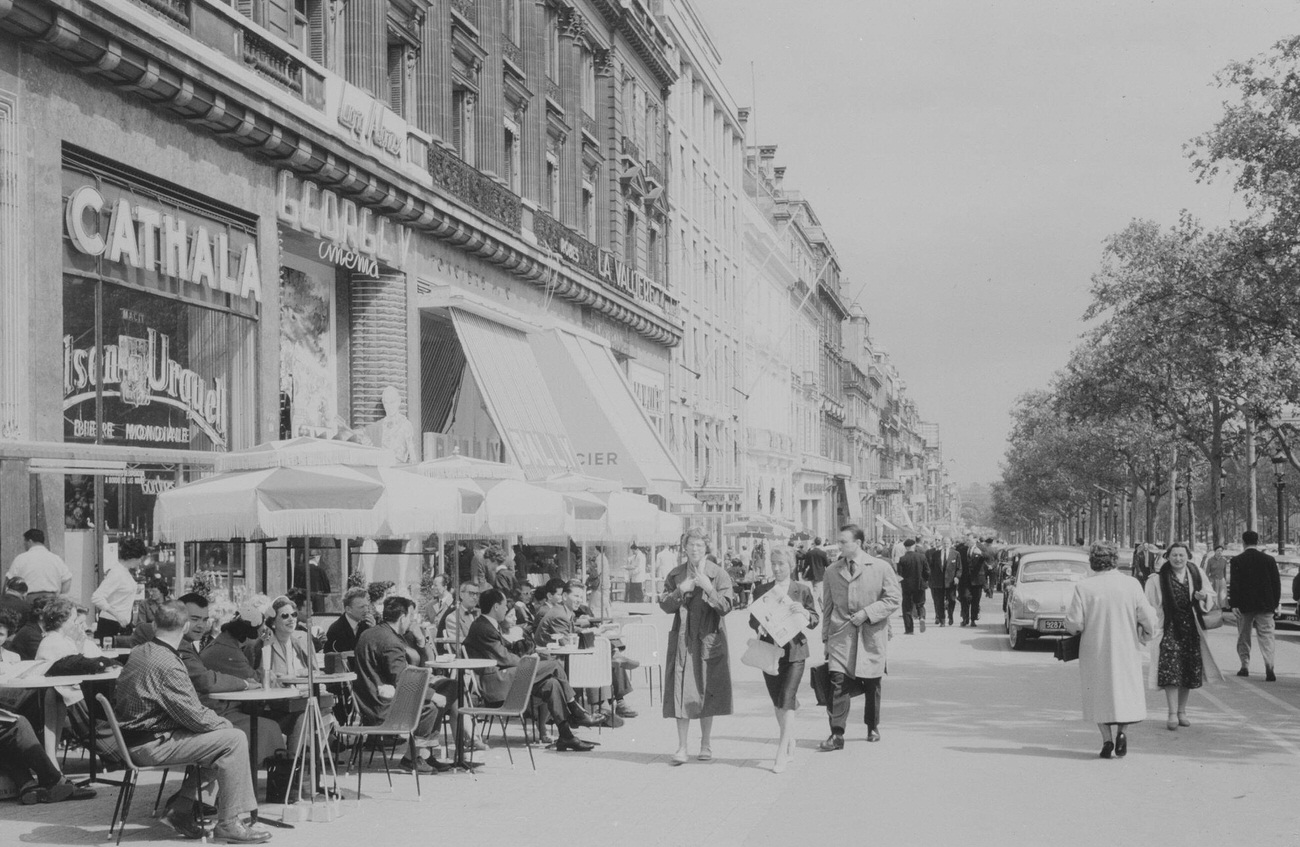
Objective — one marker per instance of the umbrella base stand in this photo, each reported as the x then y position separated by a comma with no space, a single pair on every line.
312,758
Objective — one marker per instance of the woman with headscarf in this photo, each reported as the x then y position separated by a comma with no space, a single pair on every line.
1180,658
697,683
1115,620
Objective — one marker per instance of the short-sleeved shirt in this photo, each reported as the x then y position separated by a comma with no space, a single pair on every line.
41,569
1216,567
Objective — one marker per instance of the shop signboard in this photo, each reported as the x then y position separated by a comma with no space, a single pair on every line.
350,236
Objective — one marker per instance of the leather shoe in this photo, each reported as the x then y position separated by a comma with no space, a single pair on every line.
625,711
240,832
580,717
1269,676
420,766
1107,749
575,744
1121,745
178,801
182,822
835,742
873,735
1244,672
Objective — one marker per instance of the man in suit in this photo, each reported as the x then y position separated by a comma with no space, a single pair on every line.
358,616
381,656
945,566
551,690
1254,590
1146,559
971,587
859,594
914,572
810,563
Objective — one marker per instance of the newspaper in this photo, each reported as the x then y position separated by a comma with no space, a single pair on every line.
782,618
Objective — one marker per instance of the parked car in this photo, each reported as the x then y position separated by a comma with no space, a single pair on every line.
1040,590
1289,567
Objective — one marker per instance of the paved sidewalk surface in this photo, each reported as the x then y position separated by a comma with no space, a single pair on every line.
982,745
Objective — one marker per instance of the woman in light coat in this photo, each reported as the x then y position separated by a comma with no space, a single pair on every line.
697,682
1115,620
1180,656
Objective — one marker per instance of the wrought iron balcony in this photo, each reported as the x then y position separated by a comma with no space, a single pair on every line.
469,185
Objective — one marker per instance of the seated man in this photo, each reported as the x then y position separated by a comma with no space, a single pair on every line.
27,640
554,617
24,759
358,616
580,617
381,656
551,691
456,621
164,723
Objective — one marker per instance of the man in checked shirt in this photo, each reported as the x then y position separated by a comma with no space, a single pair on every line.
164,723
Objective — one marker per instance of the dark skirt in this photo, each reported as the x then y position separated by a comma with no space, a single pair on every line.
784,687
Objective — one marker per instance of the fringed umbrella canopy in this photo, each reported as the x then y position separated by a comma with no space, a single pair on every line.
464,467
570,481
512,507
305,452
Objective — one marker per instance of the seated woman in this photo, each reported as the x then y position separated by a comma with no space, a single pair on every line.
228,654
288,652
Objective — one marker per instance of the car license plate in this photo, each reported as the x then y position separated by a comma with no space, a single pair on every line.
1051,624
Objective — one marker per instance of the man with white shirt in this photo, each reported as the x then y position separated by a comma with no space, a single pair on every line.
43,571
665,561
115,597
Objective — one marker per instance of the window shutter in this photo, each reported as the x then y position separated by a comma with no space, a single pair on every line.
316,31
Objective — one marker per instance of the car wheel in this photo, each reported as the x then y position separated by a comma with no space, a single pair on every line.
1018,637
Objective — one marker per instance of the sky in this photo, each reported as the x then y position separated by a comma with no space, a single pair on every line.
968,159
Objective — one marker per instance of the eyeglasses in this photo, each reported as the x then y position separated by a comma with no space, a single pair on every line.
284,616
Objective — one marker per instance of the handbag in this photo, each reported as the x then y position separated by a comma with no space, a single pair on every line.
762,655
1211,618
1067,649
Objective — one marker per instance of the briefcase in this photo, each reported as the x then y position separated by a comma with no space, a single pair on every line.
1067,649
820,679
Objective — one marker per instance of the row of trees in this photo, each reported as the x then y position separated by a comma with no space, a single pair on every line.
1189,372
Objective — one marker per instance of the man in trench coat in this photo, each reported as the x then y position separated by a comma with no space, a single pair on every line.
859,594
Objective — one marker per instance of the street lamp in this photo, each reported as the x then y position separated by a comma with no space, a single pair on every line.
1279,463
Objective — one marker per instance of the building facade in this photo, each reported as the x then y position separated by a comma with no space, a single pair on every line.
417,222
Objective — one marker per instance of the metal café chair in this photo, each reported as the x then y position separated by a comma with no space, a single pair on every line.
403,718
641,642
515,706
126,790
593,670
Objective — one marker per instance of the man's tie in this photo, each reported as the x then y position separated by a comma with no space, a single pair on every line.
853,569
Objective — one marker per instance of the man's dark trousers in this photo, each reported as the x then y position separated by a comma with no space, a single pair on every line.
843,687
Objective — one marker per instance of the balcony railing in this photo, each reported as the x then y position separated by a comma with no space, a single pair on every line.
630,148
174,11
589,125
467,9
575,249
654,172
512,52
273,62
466,183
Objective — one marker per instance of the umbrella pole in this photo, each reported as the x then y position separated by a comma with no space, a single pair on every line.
230,582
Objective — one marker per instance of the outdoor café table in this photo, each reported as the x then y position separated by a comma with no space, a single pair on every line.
565,651
116,652
460,666
53,712
262,697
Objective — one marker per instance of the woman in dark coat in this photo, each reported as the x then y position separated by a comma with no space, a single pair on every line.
698,682
784,687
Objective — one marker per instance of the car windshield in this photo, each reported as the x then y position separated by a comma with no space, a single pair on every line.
1053,570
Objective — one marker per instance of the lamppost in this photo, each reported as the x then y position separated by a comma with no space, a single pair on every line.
1279,463
1105,517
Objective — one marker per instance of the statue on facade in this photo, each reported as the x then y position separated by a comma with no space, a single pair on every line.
394,432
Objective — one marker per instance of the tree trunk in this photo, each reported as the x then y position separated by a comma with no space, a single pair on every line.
1252,495
1216,479
1191,507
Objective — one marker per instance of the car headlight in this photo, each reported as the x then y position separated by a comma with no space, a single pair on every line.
1031,605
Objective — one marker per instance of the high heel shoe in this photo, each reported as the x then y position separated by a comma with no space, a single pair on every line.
1121,745
1182,719
1107,749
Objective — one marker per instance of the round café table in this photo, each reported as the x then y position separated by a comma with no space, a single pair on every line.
262,697
53,712
460,666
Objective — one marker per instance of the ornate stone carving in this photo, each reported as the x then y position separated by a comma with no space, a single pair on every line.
466,183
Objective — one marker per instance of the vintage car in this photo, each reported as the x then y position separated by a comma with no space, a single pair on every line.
1289,568
1039,591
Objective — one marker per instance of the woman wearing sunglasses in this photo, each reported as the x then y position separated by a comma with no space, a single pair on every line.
287,651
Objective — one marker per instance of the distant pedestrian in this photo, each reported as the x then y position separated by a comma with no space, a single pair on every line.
971,587
114,599
1146,558
1216,569
914,574
859,595
945,568
698,593
783,688
1254,590
811,562
1180,657
44,572
1115,619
